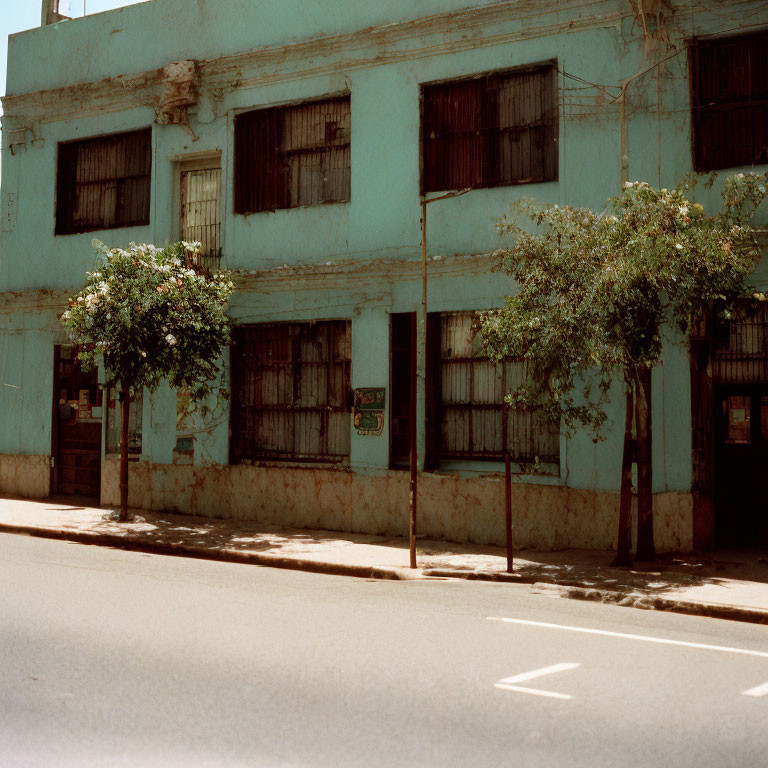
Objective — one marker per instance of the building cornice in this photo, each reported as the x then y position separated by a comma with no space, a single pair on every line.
355,274
426,36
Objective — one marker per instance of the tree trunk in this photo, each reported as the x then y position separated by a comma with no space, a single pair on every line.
645,547
125,399
625,522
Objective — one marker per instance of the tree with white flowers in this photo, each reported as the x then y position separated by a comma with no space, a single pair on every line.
147,316
595,292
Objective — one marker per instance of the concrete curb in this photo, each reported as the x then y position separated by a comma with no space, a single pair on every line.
614,597
656,603
562,589
136,544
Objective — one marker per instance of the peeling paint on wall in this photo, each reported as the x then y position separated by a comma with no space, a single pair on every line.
450,507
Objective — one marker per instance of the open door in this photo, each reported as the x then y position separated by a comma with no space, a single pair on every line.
77,417
741,461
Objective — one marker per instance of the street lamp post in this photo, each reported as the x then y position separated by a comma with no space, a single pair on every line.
419,363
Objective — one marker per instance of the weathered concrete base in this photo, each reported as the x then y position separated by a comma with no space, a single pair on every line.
25,475
450,507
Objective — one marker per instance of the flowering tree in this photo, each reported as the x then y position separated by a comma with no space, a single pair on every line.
148,317
596,289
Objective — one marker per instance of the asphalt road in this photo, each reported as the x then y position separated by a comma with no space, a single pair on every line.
111,658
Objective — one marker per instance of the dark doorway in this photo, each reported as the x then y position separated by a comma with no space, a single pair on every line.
401,372
741,462
77,410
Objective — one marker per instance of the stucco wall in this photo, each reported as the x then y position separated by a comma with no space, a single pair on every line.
356,260
382,68
24,475
450,506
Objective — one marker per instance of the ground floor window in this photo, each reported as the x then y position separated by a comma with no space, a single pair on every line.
290,391
114,421
474,421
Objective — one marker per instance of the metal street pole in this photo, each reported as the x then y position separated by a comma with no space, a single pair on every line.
508,513
418,361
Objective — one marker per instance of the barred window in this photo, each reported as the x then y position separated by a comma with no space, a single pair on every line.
290,391
114,422
200,211
741,345
200,193
729,101
498,129
104,182
475,421
286,157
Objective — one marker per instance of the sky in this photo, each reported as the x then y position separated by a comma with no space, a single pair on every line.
18,15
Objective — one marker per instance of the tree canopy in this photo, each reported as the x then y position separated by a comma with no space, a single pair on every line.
148,316
595,292
595,289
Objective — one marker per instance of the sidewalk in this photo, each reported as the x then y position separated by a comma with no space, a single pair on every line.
728,585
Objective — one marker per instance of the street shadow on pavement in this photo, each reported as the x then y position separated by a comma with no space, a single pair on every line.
668,575
235,535
715,575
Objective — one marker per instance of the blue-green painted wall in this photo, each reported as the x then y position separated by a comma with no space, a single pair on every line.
380,53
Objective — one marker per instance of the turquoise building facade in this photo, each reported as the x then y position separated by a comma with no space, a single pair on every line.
621,89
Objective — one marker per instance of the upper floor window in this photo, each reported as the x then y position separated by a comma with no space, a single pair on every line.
200,209
729,101
498,129
286,157
104,182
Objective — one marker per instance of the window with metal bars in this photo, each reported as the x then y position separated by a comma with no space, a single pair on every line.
286,157
741,345
475,421
493,130
104,182
729,101
200,219
290,391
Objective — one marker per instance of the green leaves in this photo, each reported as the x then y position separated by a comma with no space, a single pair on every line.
150,317
595,289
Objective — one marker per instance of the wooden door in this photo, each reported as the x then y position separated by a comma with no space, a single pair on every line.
77,427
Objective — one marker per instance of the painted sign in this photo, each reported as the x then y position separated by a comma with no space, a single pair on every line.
368,412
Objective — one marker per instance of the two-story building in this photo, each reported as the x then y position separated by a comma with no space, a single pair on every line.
297,141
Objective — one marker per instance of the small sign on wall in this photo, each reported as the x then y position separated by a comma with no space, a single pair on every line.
368,412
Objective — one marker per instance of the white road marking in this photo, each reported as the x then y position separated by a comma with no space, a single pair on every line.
539,673
507,683
759,690
550,694
646,638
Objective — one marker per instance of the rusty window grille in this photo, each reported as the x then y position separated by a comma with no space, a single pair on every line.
114,420
741,348
290,391
729,101
200,220
104,182
498,129
476,423
286,157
